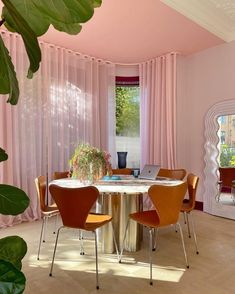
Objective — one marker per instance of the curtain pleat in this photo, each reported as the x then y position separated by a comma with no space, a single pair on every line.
66,102
158,111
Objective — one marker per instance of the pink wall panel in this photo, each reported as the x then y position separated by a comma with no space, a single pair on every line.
204,79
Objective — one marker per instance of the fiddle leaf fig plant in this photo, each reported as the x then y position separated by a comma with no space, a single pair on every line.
12,280
30,19
13,201
3,155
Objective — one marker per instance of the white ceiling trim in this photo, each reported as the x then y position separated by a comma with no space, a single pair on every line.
210,14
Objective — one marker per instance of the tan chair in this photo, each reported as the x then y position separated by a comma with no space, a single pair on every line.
122,171
60,175
167,201
178,174
47,211
189,204
74,205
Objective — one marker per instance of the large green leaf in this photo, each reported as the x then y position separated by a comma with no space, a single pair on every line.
64,11
3,155
13,200
96,3
38,22
21,26
64,15
12,281
13,249
72,29
8,80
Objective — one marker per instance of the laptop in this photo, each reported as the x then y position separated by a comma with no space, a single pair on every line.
149,172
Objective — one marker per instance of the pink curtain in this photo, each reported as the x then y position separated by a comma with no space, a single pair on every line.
158,111
69,100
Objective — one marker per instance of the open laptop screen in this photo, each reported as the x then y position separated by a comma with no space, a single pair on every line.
149,172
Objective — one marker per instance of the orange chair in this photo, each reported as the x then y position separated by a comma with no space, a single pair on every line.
122,171
167,201
64,175
60,175
47,211
189,204
226,182
178,174
74,205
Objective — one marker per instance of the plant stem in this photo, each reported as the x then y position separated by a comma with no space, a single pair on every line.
2,21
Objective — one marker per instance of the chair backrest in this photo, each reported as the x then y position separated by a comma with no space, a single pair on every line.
167,201
60,175
178,174
227,175
192,181
40,183
74,204
122,171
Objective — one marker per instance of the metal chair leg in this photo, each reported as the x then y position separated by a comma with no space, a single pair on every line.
96,261
40,240
155,233
115,242
56,221
187,222
194,233
183,245
44,230
53,258
217,196
150,255
81,242
123,242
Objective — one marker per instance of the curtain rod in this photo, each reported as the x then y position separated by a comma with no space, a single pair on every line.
91,57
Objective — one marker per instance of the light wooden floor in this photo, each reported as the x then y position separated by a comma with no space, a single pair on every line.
210,272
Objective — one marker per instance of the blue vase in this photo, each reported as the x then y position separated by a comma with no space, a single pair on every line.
122,159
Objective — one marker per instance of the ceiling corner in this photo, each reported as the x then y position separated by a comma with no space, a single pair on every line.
218,17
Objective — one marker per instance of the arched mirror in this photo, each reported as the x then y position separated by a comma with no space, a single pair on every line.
218,131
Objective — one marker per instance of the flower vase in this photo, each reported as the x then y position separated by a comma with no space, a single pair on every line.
122,159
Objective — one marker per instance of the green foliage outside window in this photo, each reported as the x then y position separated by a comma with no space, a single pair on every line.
227,156
127,111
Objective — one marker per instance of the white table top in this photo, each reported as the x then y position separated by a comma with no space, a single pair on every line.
127,184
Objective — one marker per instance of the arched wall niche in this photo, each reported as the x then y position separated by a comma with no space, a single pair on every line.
210,205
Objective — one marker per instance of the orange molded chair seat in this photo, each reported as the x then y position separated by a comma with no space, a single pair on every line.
51,208
148,218
95,221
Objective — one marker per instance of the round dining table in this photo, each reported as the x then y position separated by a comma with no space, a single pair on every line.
119,198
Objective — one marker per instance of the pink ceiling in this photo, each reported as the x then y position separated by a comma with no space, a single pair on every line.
129,31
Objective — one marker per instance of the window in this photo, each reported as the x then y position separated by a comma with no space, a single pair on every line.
222,119
222,137
233,122
128,119
227,141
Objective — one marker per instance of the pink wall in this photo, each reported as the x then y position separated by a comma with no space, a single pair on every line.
203,79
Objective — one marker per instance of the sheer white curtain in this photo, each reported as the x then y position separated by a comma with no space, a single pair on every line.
158,111
69,100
